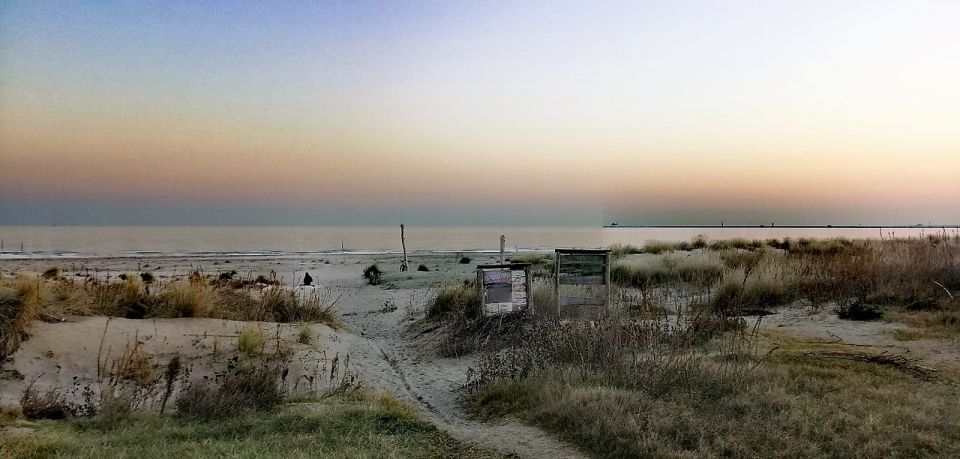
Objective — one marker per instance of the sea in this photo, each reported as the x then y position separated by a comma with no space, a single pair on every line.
28,242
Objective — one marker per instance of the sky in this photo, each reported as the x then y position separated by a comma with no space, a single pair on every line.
479,113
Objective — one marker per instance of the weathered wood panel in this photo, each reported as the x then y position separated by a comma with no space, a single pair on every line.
597,279
583,259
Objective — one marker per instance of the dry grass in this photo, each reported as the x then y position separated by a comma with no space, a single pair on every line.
647,385
460,301
241,389
19,305
250,341
646,270
624,389
133,298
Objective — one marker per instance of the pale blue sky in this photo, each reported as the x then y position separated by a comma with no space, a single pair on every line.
479,112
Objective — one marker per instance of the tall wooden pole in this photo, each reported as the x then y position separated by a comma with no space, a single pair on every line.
403,242
503,242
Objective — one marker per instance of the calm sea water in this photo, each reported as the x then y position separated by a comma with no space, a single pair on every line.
73,241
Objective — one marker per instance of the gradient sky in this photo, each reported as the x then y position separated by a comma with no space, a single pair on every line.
479,112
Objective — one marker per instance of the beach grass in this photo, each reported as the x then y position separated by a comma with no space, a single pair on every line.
359,425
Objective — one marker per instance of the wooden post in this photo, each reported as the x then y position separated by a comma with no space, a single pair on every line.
403,242
556,283
503,241
606,279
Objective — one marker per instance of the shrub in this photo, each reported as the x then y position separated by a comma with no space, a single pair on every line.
639,272
51,404
423,268
305,335
858,310
239,390
621,250
464,260
250,341
282,305
18,307
658,247
744,293
184,300
372,274
460,300
52,273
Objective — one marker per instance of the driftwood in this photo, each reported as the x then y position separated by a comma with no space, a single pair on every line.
890,360
50,318
213,335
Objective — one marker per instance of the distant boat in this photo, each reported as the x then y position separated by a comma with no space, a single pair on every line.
614,224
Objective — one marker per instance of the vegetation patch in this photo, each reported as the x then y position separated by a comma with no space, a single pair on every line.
360,425
372,274
461,300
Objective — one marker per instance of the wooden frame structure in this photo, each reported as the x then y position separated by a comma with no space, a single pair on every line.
582,267
504,288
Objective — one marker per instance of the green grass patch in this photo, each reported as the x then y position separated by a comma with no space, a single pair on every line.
356,426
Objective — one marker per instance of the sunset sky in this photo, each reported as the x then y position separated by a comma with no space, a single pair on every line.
168,112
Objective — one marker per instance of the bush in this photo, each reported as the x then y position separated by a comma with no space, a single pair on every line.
464,260
621,250
460,300
52,273
305,335
250,341
184,300
147,277
859,310
51,404
423,268
241,389
372,274
18,307
741,293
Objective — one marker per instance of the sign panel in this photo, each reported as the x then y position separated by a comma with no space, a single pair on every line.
504,288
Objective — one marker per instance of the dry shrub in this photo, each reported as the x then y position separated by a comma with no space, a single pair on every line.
649,355
742,292
240,389
621,250
277,304
132,365
372,274
50,404
543,297
181,299
697,268
18,307
466,336
858,310
458,300
52,273
250,341
305,335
